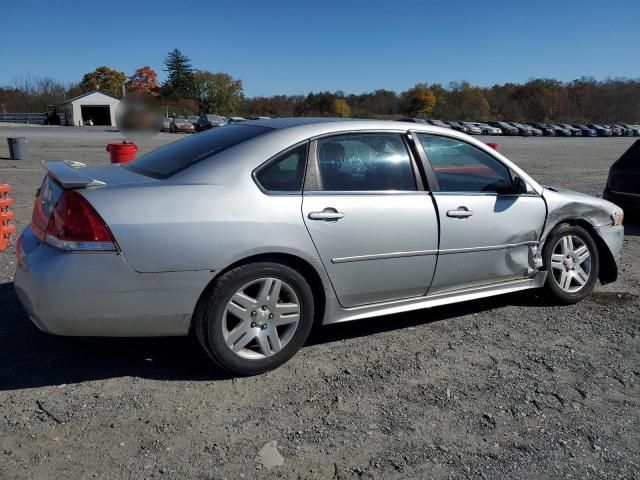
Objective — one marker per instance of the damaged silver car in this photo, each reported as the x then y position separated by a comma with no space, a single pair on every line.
248,235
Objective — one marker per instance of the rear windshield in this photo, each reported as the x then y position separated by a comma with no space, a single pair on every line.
172,158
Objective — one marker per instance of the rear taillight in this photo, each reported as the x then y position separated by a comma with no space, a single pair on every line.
73,225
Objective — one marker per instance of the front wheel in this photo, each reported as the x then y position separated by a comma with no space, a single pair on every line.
255,318
571,259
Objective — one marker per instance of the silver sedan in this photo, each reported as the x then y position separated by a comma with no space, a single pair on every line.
248,235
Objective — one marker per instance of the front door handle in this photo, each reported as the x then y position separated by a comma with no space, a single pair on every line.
461,212
328,214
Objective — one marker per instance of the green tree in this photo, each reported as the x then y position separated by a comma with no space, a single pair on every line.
217,92
105,79
419,101
179,83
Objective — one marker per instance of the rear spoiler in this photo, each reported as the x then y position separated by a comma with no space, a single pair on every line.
68,173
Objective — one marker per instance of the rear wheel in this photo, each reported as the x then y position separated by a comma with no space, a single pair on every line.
571,258
255,318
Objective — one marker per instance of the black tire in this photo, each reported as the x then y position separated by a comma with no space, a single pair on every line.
552,284
209,316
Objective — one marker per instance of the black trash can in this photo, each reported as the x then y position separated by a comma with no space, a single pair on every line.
17,148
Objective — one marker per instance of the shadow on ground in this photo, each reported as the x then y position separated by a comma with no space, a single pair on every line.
30,358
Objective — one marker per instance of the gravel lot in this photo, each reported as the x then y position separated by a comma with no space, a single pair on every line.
509,387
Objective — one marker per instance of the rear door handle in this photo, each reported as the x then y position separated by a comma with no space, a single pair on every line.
328,214
461,212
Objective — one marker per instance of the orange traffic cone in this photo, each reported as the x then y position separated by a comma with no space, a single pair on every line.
6,215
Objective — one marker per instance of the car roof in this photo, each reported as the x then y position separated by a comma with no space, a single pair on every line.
321,124
287,122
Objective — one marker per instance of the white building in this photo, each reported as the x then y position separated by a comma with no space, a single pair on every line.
96,106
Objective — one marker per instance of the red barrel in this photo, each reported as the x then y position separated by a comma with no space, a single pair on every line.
122,152
495,146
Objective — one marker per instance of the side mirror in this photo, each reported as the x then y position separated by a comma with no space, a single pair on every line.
519,186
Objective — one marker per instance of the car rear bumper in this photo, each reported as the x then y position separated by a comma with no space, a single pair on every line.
99,294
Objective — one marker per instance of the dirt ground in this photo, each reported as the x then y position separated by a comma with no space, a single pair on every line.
508,387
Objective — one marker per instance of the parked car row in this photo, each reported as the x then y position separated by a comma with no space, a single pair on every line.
195,123
535,129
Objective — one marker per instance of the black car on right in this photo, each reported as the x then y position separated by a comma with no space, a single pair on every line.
623,184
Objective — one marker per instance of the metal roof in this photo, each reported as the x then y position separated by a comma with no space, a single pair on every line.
87,94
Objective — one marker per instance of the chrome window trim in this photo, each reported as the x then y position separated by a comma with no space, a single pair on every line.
625,194
487,194
364,192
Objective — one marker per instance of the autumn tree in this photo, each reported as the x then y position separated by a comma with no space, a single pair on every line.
474,105
179,83
144,81
340,108
105,79
419,101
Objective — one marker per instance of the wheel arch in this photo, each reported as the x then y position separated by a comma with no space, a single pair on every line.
299,264
608,266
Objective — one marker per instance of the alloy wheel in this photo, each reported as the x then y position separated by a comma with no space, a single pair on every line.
261,318
571,263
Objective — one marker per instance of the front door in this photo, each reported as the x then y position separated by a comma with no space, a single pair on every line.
488,233
375,228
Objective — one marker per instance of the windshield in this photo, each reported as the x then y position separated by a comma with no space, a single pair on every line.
172,158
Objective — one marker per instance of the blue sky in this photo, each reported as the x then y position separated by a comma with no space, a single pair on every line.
293,47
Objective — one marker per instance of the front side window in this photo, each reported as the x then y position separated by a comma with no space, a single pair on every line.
286,172
461,167
365,162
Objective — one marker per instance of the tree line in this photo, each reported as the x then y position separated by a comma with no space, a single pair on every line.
188,90
584,100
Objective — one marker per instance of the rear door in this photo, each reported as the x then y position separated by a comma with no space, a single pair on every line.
488,233
374,226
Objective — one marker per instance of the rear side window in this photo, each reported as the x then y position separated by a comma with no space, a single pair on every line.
365,162
172,158
285,173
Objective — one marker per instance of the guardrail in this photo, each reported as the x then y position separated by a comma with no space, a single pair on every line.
32,118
